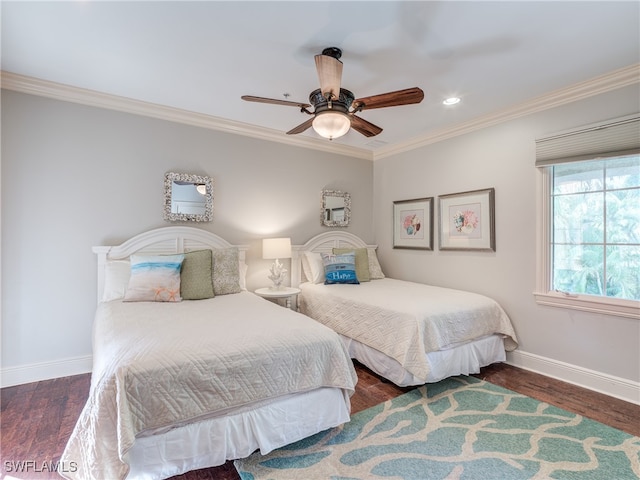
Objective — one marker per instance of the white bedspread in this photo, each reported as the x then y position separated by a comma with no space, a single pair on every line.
406,320
161,365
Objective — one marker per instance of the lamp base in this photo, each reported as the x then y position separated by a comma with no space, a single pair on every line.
278,273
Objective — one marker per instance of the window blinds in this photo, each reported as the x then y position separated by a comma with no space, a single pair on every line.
613,138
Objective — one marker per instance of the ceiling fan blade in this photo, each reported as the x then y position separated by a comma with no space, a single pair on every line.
250,98
330,74
390,99
301,128
364,127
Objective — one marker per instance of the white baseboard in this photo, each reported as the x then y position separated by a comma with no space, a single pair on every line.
36,372
617,387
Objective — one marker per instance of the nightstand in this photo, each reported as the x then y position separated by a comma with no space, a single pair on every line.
286,292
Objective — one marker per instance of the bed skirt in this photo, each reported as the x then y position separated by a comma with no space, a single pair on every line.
463,359
214,441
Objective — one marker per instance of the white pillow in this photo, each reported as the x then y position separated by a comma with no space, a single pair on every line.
306,269
116,279
313,267
243,267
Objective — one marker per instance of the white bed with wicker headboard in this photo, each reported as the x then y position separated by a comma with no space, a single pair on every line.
183,385
407,332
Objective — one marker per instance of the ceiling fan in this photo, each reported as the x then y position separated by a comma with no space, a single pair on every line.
335,108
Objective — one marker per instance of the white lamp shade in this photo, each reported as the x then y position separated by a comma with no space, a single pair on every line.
330,124
276,248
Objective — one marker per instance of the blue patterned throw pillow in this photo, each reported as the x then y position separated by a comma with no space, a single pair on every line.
340,268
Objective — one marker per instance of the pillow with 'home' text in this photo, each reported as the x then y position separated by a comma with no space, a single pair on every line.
339,268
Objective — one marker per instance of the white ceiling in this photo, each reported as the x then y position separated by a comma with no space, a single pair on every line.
202,56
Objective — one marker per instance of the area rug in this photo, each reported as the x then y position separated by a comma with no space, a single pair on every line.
459,428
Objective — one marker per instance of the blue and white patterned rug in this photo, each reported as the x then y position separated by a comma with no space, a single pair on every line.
459,428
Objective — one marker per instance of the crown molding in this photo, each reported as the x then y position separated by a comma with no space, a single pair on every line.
611,81
67,93
614,80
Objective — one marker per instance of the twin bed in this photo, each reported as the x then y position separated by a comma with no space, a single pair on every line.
178,386
407,332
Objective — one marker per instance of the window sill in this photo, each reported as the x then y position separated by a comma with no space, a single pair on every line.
588,303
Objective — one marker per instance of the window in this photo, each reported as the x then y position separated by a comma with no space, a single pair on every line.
589,249
595,243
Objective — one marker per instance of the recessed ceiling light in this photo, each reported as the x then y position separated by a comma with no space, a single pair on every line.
451,101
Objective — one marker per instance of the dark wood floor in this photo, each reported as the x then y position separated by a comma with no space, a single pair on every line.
37,418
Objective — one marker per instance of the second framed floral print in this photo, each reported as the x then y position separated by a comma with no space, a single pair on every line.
467,221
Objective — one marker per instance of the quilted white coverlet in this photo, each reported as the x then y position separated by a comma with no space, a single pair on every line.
160,365
406,320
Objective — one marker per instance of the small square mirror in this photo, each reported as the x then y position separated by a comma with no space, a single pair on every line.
188,197
336,208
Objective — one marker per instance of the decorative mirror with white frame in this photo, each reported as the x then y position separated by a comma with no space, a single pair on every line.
188,197
336,208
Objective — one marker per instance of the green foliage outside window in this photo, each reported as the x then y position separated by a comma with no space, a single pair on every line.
596,227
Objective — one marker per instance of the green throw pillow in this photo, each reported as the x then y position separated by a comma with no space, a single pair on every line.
362,262
196,276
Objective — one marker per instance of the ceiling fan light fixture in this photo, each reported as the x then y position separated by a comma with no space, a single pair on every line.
335,108
331,124
451,101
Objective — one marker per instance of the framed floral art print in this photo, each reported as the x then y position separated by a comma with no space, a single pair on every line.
467,221
413,224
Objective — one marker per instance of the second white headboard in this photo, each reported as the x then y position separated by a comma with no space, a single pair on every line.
322,243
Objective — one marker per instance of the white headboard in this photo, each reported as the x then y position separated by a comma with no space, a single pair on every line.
324,242
161,241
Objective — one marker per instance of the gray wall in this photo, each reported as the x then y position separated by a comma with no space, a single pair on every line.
76,176
503,157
